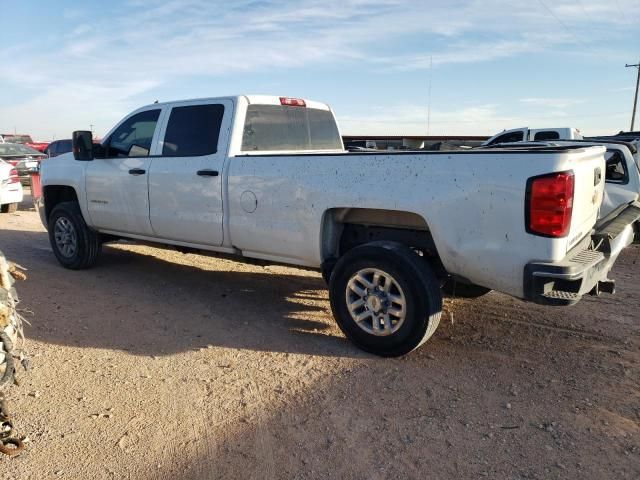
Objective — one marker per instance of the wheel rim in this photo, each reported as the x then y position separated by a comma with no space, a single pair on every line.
65,237
376,302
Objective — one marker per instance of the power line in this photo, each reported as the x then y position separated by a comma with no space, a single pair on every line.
562,24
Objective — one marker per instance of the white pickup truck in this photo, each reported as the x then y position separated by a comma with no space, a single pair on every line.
268,178
526,134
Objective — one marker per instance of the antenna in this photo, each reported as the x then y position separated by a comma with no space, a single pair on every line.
429,95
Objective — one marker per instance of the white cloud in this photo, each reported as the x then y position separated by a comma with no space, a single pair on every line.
557,103
481,119
112,57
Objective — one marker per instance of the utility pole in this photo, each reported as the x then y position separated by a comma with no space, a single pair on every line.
635,99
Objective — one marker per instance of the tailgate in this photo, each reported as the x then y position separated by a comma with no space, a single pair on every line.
588,166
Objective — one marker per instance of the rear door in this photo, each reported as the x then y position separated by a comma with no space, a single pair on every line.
185,180
116,186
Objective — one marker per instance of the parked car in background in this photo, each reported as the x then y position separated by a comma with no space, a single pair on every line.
24,140
629,137
21,157
526,134
58,147
622,172
10,188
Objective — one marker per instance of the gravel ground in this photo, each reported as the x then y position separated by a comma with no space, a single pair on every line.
157,364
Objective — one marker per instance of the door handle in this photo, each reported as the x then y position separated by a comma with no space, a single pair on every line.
208,173
137,171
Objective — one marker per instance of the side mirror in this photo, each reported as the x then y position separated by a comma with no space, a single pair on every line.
82,144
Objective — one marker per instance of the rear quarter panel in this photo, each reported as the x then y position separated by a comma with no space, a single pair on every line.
472,202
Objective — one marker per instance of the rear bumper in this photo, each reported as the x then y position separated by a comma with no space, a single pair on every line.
11,193
586,266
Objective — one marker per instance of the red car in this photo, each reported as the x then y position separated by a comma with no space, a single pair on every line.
23,139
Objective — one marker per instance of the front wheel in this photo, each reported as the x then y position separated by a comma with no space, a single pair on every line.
74,244
385,298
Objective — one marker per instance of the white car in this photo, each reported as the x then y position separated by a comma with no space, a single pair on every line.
268,178
622,172
10,188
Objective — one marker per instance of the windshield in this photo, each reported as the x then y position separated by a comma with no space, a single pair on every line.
276,127
7,149
17,138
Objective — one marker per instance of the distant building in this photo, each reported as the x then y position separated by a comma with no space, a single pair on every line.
399,142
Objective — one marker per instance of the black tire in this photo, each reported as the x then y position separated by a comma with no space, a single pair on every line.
421,290
9,208
88,245
463,290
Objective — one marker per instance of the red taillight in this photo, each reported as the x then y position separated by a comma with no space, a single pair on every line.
13,176
550,204
292,102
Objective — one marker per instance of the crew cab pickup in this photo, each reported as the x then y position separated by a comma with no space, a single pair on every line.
268,178
526,134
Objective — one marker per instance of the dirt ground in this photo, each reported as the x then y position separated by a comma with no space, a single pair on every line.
161,365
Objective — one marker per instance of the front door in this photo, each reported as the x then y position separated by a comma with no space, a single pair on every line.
117,186
185,180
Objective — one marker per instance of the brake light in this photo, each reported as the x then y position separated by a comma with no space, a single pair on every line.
549,204
292,102
13,176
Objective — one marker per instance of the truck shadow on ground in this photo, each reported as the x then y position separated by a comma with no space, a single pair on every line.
149,306
493,394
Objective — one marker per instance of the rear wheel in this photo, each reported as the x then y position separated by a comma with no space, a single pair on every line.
74,244
9,208
385,298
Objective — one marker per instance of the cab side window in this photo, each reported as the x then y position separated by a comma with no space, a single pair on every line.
133,137
547,135
193,131
508,138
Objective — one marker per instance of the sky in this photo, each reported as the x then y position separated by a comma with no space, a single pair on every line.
387,67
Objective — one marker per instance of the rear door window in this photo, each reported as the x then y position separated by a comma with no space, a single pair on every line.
547,135
280,127
193,130
133,137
